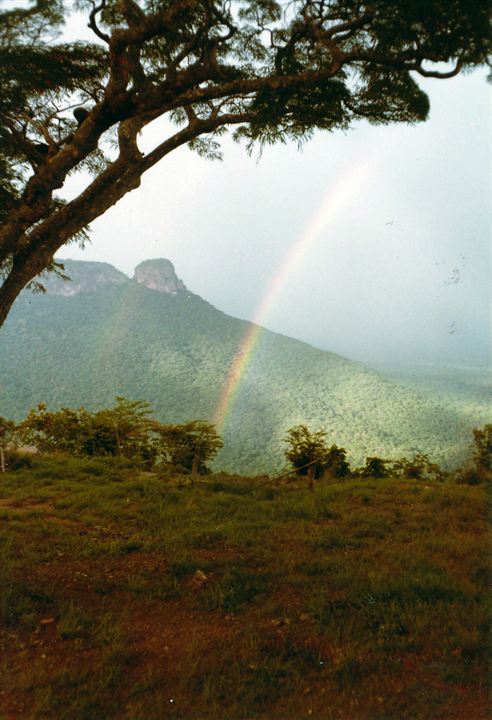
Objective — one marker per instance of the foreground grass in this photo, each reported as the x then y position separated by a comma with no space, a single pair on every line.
133,596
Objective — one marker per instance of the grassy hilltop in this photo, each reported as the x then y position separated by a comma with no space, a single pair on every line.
105,335
132,596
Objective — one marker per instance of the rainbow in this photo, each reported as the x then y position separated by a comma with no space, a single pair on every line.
333,201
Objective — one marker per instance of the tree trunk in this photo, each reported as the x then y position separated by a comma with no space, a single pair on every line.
194,467
118,442
7,297
311,474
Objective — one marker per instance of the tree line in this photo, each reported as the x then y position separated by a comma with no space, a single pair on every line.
127,430
312,457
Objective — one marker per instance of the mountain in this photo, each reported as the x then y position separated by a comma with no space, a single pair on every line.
149,337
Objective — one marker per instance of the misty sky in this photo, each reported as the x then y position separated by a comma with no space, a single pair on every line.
401,273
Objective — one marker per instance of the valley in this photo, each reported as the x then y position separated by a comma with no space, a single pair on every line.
102,335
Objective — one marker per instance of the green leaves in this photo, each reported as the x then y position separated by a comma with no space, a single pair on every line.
7,429
310,455
124,430
482,453
391,97
190,444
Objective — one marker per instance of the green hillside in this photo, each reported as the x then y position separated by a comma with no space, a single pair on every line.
456,383
107,335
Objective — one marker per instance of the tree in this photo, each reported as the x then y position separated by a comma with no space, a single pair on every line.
482,450
49,431
190,444
336,464
479,468
420,467
307,452
375,467
7,429
122,430
273,70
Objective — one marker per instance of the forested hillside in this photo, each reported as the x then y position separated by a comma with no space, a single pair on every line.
105,335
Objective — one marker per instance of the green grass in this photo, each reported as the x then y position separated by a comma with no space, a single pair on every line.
135,596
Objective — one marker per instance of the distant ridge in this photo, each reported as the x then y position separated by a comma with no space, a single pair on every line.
148,337
84,277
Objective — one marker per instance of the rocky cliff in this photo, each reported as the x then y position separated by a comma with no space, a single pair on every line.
159,274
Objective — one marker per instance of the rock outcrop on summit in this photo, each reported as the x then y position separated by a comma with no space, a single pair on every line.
159,274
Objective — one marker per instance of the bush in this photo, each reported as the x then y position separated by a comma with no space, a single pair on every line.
479,469
472,475
374,468
309,454
18,460
482,453
418,468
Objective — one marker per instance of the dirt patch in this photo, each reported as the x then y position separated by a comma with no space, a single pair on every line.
26,504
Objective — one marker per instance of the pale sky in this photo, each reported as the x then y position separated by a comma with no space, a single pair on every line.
401,271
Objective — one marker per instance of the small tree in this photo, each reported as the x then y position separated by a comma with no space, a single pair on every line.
479,469
125,430
97,434
420,467
375,467
52,431
482,452
307,452
336,464
122,430
7,428
190,444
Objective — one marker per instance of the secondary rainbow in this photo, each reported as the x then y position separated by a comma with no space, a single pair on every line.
333,201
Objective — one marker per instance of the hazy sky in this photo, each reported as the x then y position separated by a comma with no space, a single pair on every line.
396,268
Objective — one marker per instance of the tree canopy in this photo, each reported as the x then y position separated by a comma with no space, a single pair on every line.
270,70
190,445
309,455
124,430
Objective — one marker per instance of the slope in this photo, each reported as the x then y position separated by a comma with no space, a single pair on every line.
110,335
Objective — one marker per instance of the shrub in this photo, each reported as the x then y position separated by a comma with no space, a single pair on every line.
309,454
471,475
418,468
374,468
18,460
482,453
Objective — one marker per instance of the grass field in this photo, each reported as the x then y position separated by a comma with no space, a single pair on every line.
129,595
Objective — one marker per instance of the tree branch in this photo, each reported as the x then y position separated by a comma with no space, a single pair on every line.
436,74
106,190
92,24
